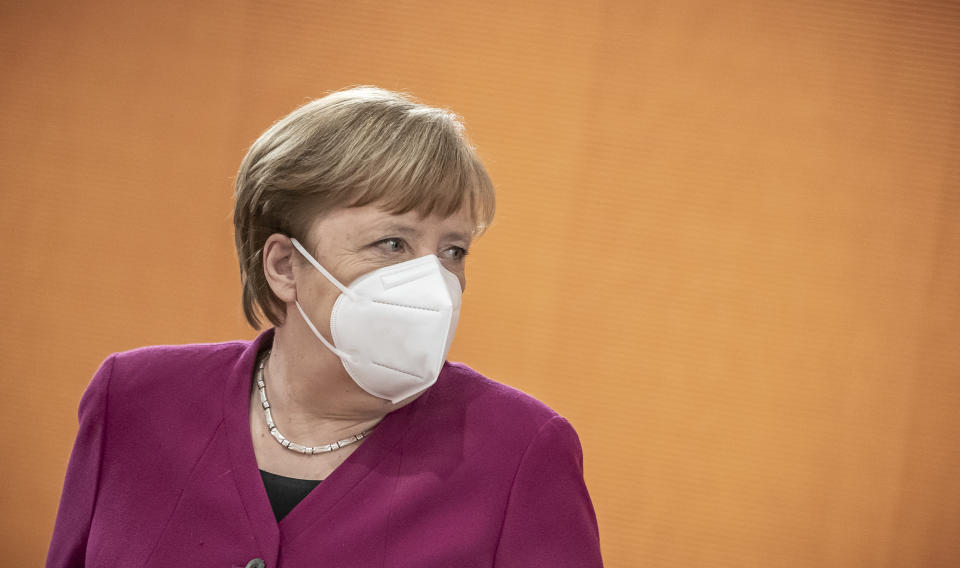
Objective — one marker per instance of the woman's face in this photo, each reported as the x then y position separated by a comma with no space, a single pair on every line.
350,242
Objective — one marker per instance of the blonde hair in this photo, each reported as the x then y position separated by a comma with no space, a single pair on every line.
348,149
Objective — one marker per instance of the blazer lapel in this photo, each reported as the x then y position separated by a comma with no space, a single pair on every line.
246,475
316,508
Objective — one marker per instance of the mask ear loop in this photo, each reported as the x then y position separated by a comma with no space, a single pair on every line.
318,266
320,336
350,293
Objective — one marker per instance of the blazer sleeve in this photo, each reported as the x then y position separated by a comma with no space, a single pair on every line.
69,543
550,521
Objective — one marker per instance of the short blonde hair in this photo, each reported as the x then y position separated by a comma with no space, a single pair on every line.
348,149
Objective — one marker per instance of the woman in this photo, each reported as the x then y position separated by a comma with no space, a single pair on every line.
340,436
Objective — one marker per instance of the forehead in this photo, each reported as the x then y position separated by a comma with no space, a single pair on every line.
371,221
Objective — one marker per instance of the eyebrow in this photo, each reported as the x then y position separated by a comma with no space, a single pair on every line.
396,228
454,236
411,230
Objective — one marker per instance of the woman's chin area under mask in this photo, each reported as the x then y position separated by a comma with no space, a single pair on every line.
308,375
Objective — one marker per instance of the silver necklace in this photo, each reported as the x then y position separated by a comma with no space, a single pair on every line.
293,446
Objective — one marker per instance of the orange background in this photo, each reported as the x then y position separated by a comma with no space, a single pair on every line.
727,247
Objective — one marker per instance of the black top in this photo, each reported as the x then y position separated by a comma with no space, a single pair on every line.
285,492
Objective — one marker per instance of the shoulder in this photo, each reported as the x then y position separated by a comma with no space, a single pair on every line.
461,384
486,409
165,379
175,364
159,358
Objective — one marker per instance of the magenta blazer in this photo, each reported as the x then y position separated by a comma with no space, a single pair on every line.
471,474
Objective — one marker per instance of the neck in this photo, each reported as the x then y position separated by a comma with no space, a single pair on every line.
312,398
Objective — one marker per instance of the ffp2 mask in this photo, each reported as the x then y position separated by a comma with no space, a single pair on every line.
392,327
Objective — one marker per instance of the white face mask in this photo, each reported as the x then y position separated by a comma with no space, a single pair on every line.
392,327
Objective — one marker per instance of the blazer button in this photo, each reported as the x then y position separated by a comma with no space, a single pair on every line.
256,563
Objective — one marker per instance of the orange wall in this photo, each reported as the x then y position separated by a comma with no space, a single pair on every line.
728,242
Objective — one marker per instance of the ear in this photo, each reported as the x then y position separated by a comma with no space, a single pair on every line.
278,253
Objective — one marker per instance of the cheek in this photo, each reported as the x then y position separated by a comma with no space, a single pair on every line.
347,270
317,299
325,305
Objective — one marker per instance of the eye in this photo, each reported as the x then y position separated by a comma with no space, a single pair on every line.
456,253
392,244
